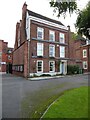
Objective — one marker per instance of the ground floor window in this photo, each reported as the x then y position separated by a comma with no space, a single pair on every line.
40,66
52,66
84,64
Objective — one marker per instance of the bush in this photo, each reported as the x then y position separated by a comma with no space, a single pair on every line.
43,75
73,69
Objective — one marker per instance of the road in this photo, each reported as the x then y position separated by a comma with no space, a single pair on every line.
22,98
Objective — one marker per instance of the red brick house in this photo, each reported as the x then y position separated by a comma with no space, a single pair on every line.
41,45
5,57
79,52
86,57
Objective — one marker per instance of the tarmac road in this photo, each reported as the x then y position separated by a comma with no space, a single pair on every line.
21,97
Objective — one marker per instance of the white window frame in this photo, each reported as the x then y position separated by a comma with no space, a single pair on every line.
53,33
62,37
85,64
39,49
18,37
41,30
84,53
41,66
53,52
9,57
62,53
53,66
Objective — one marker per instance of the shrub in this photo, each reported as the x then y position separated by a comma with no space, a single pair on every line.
73,69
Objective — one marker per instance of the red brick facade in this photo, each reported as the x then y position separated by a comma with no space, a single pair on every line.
5,56
27,62
25,49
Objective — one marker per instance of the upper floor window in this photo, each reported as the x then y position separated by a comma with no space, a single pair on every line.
39,49
9,51
51,35
52,50
84,53
84,64
40,33
62,51
62,38
9,57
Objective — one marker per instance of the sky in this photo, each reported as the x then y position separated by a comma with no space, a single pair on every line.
11,13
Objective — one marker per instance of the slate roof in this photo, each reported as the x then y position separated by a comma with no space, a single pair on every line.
43,17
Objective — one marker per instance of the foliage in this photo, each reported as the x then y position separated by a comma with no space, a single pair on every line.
83,21
63,6
43,75
73,69
72,104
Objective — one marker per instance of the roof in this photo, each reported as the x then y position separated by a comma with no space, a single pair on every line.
80,38
43,17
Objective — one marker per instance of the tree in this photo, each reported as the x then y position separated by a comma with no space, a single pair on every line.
63,6
83,22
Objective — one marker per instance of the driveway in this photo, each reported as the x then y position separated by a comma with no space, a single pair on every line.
22,98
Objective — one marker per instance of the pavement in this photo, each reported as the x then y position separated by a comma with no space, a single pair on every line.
22,98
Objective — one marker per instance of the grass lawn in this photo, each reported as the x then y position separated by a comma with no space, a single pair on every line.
72,104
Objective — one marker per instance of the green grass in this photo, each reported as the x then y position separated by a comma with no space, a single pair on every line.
72,104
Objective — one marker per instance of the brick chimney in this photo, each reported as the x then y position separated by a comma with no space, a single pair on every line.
24,8
69,28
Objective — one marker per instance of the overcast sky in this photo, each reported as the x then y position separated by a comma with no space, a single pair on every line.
11,11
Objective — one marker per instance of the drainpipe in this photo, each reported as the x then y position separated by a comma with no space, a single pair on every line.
29,50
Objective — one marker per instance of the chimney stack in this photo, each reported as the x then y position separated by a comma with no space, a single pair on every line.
68,28
24,8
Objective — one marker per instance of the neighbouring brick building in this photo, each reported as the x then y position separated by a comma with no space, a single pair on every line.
79,52
5,57
85,50
41,45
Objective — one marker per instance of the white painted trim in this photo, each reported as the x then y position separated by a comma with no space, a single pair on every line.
52,32
28,26
38,29
62,52
1,73
65,67
85,62
42,48
49,73
53,66
84,50
60,37
53,51
48,22
37,66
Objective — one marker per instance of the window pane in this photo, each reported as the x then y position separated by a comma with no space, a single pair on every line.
51,50
62,51
62,38
85,65
84,53
39,66
39,49
40,33
52,36
51,66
